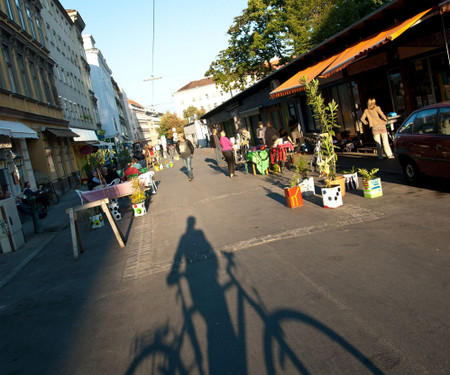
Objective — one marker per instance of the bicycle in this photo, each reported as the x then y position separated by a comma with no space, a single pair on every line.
49,189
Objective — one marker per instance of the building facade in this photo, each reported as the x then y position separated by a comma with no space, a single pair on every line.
36,140
147,123
103,86
202,94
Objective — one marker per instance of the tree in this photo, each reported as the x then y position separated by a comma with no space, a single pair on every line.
193,112
168,122
270,33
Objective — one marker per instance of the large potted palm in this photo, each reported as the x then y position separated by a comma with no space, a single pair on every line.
325,115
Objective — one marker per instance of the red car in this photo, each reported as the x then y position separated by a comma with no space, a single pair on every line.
422,143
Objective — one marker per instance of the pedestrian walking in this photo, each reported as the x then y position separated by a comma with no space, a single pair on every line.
376,119
227,151
215,144
185,149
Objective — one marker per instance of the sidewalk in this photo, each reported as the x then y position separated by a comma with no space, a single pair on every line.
55,221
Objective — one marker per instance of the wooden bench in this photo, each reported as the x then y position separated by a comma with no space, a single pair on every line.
75,232
366,150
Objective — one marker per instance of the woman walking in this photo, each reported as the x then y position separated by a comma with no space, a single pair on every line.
377,121
185,149
227,151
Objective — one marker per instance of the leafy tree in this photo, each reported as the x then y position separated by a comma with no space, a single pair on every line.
168,122
279,30
191,112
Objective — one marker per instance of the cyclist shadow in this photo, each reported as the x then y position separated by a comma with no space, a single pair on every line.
197,263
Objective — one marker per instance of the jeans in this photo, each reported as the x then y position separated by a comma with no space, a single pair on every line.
387,149
187,162
218,151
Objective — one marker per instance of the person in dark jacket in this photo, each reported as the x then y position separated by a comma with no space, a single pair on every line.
215,144
185,149
271,134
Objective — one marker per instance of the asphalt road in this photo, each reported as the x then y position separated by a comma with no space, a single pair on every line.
220,277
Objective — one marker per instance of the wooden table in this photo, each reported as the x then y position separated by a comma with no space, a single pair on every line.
76,237
110,192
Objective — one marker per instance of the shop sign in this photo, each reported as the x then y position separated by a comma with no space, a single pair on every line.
85,150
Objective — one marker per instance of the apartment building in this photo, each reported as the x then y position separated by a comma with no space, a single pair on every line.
35,138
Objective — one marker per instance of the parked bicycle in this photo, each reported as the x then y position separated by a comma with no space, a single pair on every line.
49,189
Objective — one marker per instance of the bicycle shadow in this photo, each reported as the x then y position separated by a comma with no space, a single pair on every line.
227,345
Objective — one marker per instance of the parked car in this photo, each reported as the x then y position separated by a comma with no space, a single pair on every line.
422,143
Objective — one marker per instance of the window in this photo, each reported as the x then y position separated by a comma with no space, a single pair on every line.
10,10
24,75
48,94
30,21
35,80
425,122
444,121
41,34
20,12
12,76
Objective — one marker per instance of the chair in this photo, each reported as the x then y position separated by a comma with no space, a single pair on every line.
79,192
114,182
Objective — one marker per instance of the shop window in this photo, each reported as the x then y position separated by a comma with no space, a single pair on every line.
422,90
397,92
441,77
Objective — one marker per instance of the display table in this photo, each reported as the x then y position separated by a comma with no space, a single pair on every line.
260,159
111,192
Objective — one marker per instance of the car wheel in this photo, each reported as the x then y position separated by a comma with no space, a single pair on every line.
411,172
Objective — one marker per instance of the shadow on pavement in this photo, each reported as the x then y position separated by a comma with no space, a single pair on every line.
216,346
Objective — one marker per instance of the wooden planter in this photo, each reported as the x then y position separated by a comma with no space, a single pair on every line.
331,197
372,188
293,197
139,209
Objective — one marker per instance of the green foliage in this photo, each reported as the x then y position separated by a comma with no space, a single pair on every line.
138,195
302,166
123,157
279,30
352,170
368,175
325,115
193,112
168,121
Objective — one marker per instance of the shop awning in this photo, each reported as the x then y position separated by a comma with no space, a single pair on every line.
293,85
249,112
85,135
16,130
62,133
445,6
349,55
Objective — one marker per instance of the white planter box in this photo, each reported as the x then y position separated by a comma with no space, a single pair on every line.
307,186
373,188
139,209
351,181
332,197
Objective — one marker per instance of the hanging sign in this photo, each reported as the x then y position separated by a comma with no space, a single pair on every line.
85,150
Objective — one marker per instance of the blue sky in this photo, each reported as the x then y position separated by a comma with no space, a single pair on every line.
188,37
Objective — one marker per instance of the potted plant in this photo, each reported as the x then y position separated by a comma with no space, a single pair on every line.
306,183
138,197
293,194
351,179
325,115
371,183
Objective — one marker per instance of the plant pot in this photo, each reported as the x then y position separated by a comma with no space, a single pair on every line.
307,186
332,197
156,166
351,181
339,181
97,221
293,197
372,188
139,209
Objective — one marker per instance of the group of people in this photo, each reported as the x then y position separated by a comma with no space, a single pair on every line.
23,203
108,175
267,135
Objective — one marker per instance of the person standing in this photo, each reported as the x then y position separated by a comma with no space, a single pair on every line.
271,134
227,151
260,133
376,119
185,149
215,144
